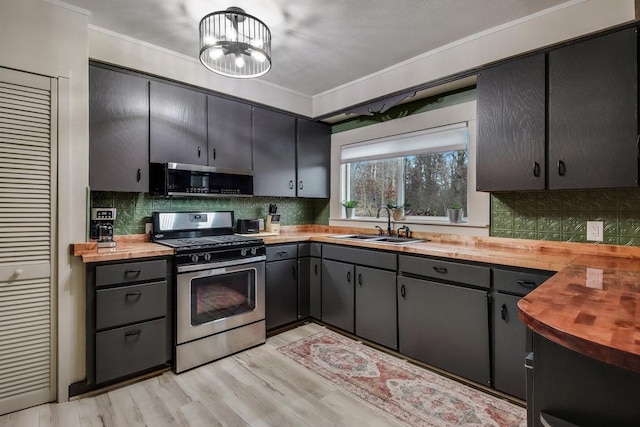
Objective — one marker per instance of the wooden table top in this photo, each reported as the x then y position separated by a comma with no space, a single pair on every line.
603,323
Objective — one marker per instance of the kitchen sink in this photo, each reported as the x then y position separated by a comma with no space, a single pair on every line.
390,240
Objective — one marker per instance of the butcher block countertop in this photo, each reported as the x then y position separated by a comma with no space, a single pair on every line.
592,305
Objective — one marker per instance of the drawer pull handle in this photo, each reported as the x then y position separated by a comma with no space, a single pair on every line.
282,253
503,312
441,270
132,294
133,333
526,284
126,272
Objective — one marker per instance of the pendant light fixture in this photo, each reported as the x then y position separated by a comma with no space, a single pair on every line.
235,44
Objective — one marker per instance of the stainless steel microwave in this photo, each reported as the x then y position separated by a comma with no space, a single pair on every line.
178,179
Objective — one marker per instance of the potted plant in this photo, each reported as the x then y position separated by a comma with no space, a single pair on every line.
350,207
454,212
397,211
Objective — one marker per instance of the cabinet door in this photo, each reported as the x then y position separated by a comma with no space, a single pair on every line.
178,124
338,294
376,310
314,151
229,133
315,288
281,297
445,326
304,277
511,126
118,131
593,113
274,154
509,346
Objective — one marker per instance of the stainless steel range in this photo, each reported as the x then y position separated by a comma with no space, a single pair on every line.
220,281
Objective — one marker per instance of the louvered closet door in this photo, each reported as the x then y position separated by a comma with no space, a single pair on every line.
26,204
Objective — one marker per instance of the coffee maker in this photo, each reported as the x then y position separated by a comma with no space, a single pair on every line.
101,226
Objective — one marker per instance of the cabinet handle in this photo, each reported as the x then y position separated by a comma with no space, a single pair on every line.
440,270
214,154
138,175
301,185
291,185
281,253
360,279
536,169
133,333
503,312
403,291
136,272
526,284
348,277
198,151
315,268
293,272
132,294
562,169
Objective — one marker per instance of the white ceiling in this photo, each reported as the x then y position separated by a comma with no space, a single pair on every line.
318,45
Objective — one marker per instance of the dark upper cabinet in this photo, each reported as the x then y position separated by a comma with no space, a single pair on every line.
118,131
229,133
178,124
511,126
314,152
274,153
593,113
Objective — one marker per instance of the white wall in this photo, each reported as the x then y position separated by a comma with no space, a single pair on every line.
44,38
569,20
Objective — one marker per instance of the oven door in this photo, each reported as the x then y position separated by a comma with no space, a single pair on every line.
216,299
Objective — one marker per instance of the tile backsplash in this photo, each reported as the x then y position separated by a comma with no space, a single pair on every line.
135,209
563,215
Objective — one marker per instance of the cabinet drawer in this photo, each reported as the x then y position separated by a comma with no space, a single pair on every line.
131,272
518,282
444,270
131,349
130,304
280,252
370,258
309,249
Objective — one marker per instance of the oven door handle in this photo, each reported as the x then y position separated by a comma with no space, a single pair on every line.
217,265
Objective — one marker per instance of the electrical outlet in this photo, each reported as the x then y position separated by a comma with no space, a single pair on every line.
148,227
594,278
595,231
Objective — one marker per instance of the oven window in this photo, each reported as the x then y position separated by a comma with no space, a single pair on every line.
223,295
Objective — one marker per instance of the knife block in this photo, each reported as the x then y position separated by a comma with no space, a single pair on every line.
273,224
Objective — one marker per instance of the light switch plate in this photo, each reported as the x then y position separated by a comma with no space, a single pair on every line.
595,231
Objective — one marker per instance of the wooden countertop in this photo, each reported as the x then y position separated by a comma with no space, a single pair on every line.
601,323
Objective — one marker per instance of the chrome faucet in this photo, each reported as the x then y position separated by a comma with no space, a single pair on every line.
389,231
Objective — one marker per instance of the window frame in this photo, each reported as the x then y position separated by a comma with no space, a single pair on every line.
477,202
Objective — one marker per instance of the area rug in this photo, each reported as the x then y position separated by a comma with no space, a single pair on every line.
413,395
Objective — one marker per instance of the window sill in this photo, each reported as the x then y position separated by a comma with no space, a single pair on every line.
411,221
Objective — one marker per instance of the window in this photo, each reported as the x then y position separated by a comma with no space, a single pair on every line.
421,172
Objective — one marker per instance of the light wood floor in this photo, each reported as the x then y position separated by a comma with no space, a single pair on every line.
258,387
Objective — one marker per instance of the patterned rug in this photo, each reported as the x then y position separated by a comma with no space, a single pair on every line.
411,394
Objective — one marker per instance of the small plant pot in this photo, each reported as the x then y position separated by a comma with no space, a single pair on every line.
397,214
351,212
454,215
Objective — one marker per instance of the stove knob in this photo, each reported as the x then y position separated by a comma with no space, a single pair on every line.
243,252
194,258
207,257
254,251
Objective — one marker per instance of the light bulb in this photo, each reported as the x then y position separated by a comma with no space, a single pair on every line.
215,53
210,40
258,56
239,61
257,43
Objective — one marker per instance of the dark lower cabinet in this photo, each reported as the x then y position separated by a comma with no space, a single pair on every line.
445,326
577,389
281,296
338,294
376,310
509,346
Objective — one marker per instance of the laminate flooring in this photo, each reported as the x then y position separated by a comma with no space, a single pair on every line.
257,387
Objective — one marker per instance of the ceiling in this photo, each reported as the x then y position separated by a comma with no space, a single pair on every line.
318,45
